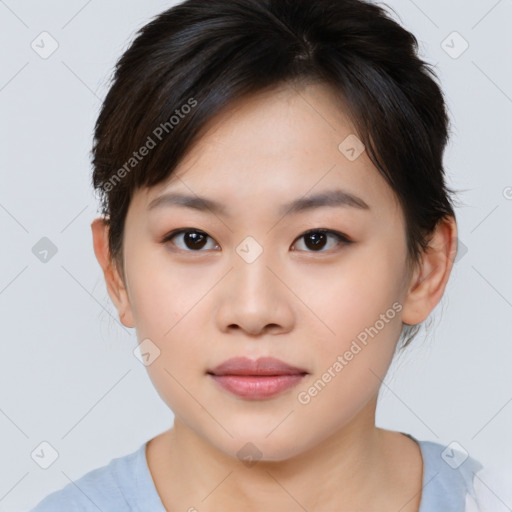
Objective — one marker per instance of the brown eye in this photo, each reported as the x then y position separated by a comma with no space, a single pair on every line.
318,239
189,239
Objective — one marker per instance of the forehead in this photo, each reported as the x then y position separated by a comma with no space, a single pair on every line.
277,145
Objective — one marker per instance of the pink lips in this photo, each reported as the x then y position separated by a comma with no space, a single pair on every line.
256,380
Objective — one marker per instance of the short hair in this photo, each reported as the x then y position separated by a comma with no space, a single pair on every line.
196,58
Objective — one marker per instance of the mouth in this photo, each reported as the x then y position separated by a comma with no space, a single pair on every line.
256,379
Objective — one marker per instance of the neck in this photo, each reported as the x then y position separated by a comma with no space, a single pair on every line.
348,468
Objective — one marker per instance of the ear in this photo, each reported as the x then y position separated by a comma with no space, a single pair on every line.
430,277
115,284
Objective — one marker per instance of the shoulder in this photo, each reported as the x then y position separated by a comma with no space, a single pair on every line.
102,488
455,481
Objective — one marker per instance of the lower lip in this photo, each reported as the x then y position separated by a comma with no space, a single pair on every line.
252,387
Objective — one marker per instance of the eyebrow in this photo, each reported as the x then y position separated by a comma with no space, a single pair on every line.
330,198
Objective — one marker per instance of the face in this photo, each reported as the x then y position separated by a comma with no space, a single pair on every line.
318,286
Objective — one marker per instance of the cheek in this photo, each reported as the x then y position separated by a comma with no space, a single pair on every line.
348,299
361,306
170,307
171,320
162,293
174,326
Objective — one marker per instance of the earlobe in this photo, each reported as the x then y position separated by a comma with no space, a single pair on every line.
113,280
430,278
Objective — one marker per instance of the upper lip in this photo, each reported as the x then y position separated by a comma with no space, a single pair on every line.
261,366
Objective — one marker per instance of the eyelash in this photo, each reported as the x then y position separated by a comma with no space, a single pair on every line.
342,239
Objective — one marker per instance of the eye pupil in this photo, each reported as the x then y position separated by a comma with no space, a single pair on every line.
317,240
194,240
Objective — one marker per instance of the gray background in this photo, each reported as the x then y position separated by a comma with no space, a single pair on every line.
68,375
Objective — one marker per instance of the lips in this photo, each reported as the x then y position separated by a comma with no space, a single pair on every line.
256,379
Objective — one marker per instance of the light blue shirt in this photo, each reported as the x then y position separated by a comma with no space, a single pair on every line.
125,484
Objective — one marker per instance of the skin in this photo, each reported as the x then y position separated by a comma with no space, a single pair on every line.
294,303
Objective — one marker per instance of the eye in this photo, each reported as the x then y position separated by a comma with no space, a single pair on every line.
315,240
318,239
189,239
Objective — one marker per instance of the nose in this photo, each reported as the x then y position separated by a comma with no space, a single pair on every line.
253,298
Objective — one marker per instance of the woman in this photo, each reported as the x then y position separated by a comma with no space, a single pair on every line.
275,223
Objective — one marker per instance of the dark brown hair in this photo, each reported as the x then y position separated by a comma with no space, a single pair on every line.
199,56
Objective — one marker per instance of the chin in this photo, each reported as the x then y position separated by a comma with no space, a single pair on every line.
252,445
